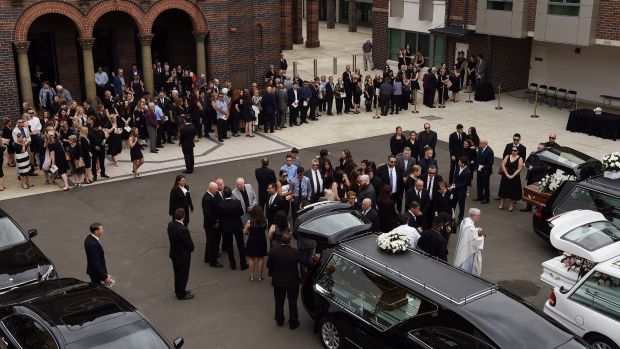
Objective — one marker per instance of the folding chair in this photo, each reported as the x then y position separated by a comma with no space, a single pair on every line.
571,99
529,92
561,97
551,93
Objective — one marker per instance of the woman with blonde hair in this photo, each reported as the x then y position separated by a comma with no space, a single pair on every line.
135,151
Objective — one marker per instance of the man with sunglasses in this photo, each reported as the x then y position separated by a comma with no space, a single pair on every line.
551,143
516,142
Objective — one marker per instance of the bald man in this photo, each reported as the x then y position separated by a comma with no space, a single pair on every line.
484,168
209,212
371,214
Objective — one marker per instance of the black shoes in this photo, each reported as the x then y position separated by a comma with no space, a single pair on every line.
186,171
293,325
103,175
217,265
186,297
280,323
244,267
476,199
483,202
525,210
233,267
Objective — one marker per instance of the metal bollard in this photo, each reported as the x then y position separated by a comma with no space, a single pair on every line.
294,68
354,62
335,65
315,68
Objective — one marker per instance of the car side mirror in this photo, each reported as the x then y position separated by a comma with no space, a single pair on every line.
563,290
178,343
32,233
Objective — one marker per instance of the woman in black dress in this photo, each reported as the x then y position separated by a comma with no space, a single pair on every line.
401,58
442,200
235,112
473,135
416,172
471,73
413,144
256,245
75,151
470,153
397,142
443,84
358,89
455,80
180,198
340,185
419,60
327,172
59,158
510,185
7,133
140,120
280,224
115,142
407,55
388,217
195,110
369,94
135,152
246,114
85,149
124,119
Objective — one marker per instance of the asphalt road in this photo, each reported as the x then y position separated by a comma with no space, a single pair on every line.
229,311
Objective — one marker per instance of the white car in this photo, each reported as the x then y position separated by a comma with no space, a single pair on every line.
591,309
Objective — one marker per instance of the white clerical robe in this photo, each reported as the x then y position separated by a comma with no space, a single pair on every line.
469,245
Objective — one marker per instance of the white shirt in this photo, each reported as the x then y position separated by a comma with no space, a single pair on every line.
468,242
317,186
430,185
35,125
184,190
272,199
392,172
413,232
95,236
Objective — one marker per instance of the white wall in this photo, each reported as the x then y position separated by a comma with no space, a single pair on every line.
410,21
591,73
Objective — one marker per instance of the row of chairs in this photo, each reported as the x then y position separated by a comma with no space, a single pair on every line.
551,95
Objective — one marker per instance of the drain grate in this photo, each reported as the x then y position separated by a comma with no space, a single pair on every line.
431,117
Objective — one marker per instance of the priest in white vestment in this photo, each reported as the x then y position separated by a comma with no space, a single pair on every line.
469,245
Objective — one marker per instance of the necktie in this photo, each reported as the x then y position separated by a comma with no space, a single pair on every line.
271,200
317,185
458,135
430,187
299,189
392,179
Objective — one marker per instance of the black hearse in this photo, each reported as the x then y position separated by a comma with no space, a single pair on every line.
361,297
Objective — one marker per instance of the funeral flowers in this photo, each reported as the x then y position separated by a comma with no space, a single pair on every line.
398,240
553,182
581,265
611,162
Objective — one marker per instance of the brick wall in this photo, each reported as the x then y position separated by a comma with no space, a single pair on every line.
380,32
608,27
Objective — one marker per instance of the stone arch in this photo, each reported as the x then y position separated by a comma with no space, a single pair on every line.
49,7
127,7
194,13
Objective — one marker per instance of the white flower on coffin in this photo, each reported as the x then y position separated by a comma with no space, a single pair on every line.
598,110
554,181
397,240
611,162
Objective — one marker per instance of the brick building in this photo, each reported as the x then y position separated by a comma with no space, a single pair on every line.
65,41
571,44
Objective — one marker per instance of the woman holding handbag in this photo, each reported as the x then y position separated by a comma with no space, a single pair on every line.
59,159
79,167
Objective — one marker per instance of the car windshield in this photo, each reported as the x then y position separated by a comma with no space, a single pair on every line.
333,223
28,332
10,234
593,236
565,156
137,335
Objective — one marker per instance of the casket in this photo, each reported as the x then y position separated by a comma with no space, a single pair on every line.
532,195
556,274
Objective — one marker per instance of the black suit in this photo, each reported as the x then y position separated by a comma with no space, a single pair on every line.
384,174
186,139
209,212
412,220
433,243
425,139
536,174
461,181
316,192
95,259
293,109
485,159
264,176
229,214
425,204
521,150
373,216
455,144
278,204
180,200
181,248
435,185
329,96
348,89
282,265
269,111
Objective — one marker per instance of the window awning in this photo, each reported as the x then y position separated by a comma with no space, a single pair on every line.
451,30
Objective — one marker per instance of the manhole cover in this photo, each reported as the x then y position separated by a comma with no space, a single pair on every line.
523,288
431,117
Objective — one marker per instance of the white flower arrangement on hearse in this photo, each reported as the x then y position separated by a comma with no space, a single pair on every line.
552,182
597,110
397,240
611,162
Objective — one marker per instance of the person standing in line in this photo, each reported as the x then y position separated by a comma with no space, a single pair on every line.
221,108
282,264
461,177
229,215
469,245
385,96
347,78
264,176
95,257
151,127
484,169
181,248
213,236
281,104
180,198
367,53
269,109
187,136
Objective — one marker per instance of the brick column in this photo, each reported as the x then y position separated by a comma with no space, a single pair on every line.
89,69
380,34
352,16
287,25
201,58
298,37
147,62
312,23
331,14
25,81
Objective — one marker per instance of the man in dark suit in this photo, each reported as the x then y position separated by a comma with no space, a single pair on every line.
181,248
264,176
431,181
433,242
157,77
329,95
393,175
413,216
316,181
229,216
274,203
552,143
269,109
282,264
484,168
348,89
281,104
461,179
420,195
371,214
283,63
294,103
209,212
95,257
186,141
536,170
427,137
405,163
516,142
455,145
429,82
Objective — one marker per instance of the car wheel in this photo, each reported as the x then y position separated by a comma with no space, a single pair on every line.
601,342
331,337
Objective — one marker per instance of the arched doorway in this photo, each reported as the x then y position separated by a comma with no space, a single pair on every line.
116,44
173,41
54,55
